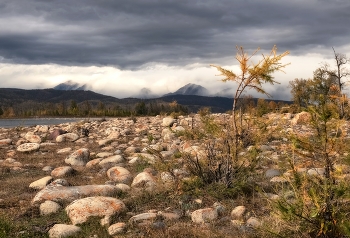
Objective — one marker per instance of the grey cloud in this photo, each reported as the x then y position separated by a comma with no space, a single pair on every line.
129,34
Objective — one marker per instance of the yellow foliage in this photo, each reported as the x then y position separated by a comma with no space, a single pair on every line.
252,76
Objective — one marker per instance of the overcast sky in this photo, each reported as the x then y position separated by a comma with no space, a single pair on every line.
120,46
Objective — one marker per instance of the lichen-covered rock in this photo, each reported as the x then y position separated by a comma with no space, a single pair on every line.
63,230
119,174
168,121
79,157
238,212
143,216
116,229
64,150
131,150
28,147
253,222
111,161
59,193
32,138
41,183
123,187
42,128
49,207
93,163
144,180
62,171
67,137
104,154
5,142
105,142
81,210
204,215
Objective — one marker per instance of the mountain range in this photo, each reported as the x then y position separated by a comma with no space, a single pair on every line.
146,93
192,96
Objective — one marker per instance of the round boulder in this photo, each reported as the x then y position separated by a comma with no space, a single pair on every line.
63,230
5,142
41,183
168,121
117,229
143,180
111,161
32,138
119,174
67,137
204,215
79,157
81,210
28,147
62,171
49,207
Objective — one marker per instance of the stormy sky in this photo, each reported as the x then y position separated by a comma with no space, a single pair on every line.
119,47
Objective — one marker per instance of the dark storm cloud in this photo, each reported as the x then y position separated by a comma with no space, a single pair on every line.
129,34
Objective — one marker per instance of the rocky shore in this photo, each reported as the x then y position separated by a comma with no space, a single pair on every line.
55,170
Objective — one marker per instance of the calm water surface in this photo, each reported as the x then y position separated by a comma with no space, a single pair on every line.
9,123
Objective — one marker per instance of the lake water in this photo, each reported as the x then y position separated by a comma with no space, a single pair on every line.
9,123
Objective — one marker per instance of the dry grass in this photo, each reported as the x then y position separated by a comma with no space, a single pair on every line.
18,218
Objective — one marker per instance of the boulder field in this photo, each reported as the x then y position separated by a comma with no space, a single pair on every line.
96,175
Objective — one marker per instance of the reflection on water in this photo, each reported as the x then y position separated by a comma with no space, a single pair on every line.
9,123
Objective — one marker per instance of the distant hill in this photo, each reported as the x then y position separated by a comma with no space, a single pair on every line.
35,97
50,95
70,85
195,102
190,89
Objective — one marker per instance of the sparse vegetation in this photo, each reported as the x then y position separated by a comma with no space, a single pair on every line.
290,174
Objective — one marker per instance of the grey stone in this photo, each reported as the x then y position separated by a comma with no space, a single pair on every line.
67,137
117,228
238,212
270,173
204,215
79,157
144,180
253,222
63,230
60,193
49,207
111,161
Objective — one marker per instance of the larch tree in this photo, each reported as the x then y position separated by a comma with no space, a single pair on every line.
251,76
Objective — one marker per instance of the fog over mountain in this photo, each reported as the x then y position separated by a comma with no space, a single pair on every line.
70,85
191,89
119,47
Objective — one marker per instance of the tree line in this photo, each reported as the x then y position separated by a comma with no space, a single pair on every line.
90,109
326,87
